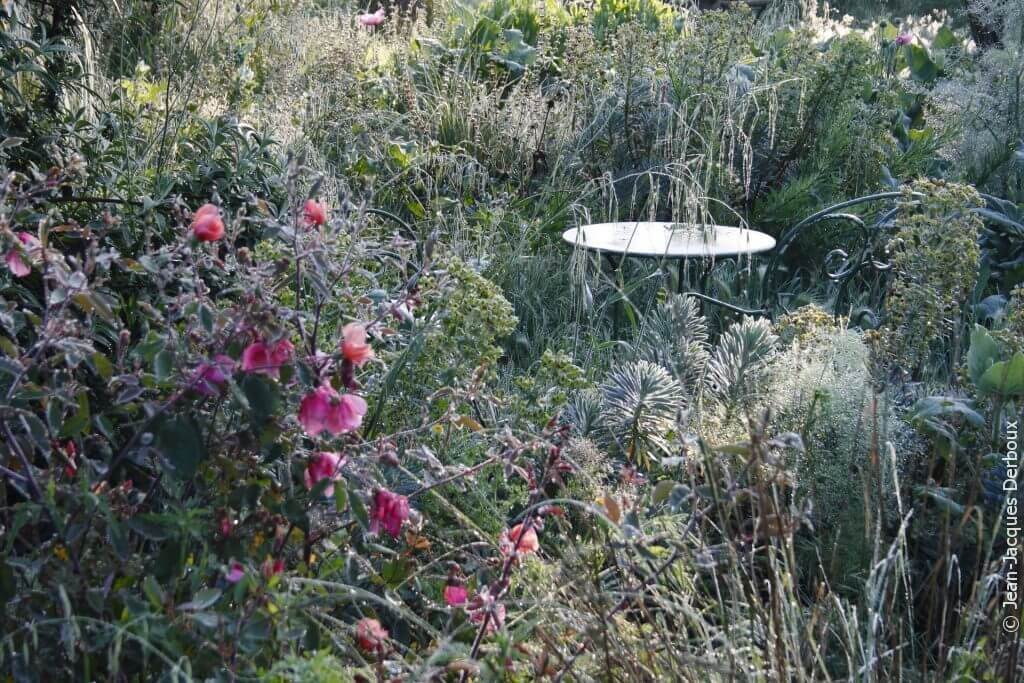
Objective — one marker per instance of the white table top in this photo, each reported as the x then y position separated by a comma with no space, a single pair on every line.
669,240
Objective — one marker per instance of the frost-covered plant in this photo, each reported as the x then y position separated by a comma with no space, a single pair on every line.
734,368
641,401
675,336
822,388
935,259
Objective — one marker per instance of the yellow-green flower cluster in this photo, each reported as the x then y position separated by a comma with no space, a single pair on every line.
935,261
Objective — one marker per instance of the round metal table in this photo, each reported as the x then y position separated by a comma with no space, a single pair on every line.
664,240
668,240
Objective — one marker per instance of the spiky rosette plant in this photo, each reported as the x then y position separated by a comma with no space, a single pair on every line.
739,357
641,401
676,337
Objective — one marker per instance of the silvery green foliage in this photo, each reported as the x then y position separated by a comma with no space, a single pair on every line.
676,338
822,387
640,404
583,411
979,101
736,363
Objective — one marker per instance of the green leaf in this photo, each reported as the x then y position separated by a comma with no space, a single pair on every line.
945,39
922,68
10,367
393,573
340,498
359,510
102,366
206,318
984,352
661,491
182,445
1005,378
80,421
201,600
153,591
163,363
262,396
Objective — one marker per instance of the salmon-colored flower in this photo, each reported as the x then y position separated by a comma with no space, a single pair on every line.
314,213
267,359
370,635
353,344
511,543
375,19
207,225
388,511
16,258
323,409
324,465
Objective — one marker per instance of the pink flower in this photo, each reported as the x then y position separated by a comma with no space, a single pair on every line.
314,213
388,511
511,543
211,377
455,594
207,225
904,39
261,357
370,635
324,409
235,572
322,466
282,352
353,344
375,19
15,260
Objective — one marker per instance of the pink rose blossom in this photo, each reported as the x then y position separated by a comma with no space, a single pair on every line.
375,19
353,344
207,225
266,359
322,466
904,39
282,352
211,377
314,213
324,409
235,572
370,635
15,260
455,595
388,511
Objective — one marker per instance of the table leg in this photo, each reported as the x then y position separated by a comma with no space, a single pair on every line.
617,310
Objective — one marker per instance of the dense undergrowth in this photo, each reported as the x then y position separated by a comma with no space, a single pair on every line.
299,382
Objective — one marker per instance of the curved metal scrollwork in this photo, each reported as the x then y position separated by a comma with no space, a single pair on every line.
841,265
